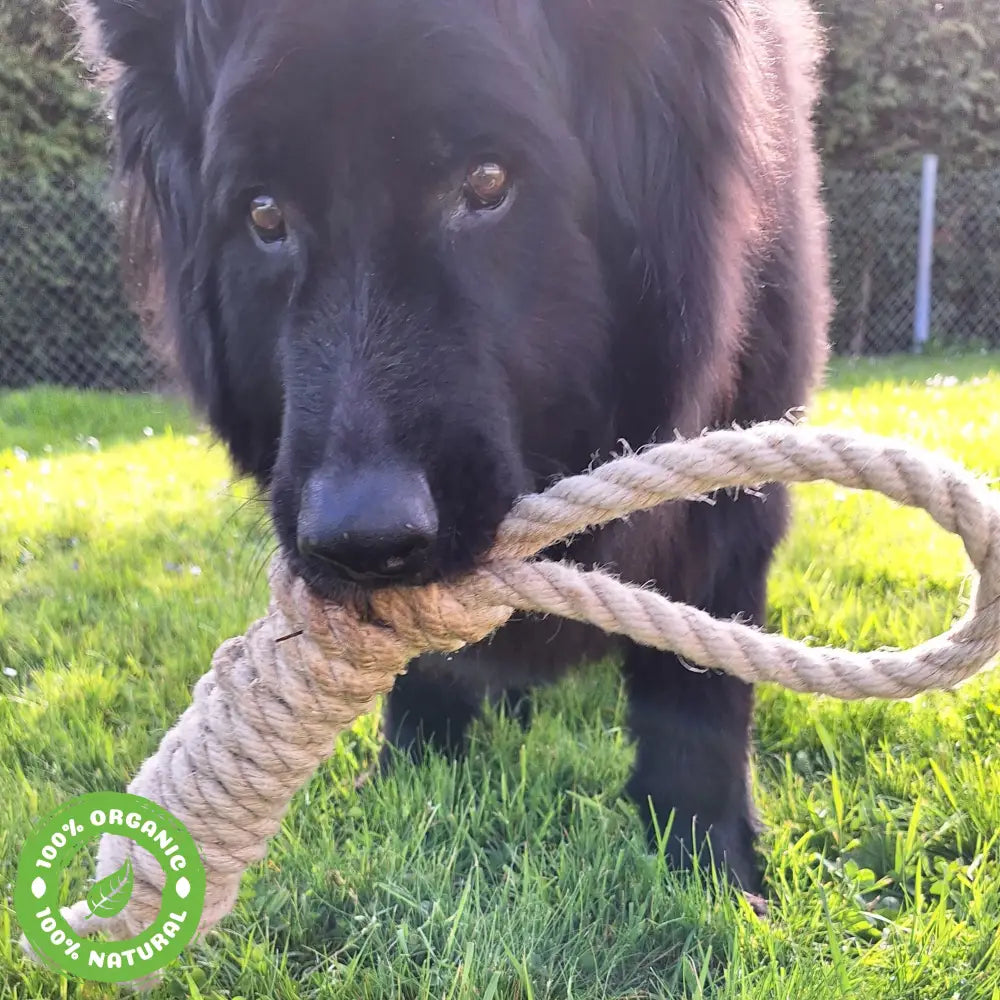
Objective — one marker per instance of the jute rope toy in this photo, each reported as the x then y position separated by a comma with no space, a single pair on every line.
270,709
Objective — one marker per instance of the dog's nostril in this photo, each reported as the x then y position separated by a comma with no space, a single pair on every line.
417,544
397,565
379,523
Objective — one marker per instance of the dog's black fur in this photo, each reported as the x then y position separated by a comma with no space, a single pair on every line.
659,267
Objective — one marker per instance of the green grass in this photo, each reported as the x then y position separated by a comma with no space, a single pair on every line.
521,873
45,421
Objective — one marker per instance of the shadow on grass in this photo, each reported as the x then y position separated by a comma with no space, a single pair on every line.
908,369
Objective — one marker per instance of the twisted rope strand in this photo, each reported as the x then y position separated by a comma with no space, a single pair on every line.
270,709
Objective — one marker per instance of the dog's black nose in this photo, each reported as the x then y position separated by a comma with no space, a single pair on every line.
374,525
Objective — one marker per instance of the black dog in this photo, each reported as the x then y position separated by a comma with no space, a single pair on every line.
421,257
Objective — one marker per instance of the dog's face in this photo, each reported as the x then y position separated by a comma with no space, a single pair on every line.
380,254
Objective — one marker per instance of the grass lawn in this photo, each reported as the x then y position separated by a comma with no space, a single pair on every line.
126,555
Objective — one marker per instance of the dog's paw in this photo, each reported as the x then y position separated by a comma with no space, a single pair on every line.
758,904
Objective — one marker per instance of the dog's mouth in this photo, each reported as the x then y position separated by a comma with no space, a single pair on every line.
338,583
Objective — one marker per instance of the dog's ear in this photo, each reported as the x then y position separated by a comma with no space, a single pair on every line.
134,34
670,104
157,62
174,46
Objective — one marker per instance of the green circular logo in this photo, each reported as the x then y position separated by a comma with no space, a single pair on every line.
55,843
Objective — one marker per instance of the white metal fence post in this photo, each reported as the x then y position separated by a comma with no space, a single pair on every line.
925,253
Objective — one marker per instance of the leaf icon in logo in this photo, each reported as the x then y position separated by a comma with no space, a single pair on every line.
108,897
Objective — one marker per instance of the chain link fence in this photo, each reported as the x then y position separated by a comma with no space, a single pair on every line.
874,220
64,319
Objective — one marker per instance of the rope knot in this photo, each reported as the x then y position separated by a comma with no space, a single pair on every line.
399,623
439,618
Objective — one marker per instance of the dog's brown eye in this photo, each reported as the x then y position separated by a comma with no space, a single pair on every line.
267,219
486,185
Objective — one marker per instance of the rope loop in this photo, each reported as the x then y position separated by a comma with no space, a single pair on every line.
270,709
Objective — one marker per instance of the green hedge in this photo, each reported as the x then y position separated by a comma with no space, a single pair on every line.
49,121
